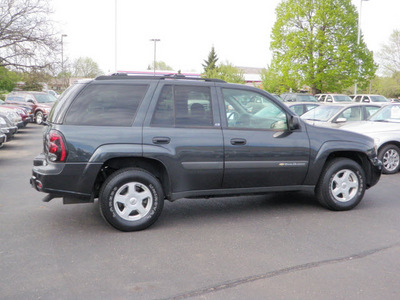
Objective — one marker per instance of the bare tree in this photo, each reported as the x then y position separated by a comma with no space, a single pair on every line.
389,56
86,67
27,36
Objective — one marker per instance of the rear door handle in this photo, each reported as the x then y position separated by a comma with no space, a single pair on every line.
161,140
238,141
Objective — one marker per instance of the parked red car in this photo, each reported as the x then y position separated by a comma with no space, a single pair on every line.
24,111
41,103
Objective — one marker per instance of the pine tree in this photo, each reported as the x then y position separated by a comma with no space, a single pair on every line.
211,62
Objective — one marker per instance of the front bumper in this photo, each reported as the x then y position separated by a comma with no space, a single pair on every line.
20,124
3,138
375,172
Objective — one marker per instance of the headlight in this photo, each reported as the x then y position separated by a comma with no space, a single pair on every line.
2,121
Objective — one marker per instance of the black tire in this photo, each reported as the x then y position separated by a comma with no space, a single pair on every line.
389,155
39,117
341,185
131,199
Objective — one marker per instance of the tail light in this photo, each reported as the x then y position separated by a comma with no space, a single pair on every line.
56,146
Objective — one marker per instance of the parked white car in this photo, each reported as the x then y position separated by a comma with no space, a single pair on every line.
365,98
336,115
384,128
333,98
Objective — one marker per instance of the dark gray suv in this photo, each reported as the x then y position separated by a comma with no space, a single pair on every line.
133,142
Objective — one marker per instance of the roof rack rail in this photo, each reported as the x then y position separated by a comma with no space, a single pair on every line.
116,76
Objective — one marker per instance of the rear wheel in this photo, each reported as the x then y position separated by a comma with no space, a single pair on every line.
342,184
131,199
390,157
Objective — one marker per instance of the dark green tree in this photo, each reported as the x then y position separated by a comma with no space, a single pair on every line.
211,62
226,72
8,79
314,43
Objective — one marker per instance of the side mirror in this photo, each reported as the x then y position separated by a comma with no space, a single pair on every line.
31,101
294,123
341,120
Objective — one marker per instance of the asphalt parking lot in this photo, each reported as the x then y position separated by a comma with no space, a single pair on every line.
278,246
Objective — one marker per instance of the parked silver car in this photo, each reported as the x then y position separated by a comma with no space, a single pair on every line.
302,107
384,128
336,115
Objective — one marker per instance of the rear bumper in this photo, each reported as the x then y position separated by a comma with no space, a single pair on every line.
61,180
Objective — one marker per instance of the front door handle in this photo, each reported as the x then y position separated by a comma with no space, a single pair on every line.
238,141
161,140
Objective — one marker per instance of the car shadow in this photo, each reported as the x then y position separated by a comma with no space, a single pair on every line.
187,212
198,210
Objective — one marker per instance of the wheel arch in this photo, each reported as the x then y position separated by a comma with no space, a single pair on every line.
155,167
396,143
331,150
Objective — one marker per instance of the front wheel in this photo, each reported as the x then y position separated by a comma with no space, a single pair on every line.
342,184
39,117
390,157
131,199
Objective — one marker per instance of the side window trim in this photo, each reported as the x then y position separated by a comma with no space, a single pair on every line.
223,112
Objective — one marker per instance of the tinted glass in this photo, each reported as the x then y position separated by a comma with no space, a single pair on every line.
55,116
342,98
183,106
378,99
306,98
45,98
321,113
259,112
106,105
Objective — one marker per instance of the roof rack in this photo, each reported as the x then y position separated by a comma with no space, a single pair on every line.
116,76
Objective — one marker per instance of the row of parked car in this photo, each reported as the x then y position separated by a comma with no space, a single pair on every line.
21,108
371,115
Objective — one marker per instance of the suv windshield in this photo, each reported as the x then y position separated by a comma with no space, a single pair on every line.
45,98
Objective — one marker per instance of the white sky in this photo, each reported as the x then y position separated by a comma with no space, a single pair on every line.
239,30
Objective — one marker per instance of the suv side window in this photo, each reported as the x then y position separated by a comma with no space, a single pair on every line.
267,116
183,106
106,105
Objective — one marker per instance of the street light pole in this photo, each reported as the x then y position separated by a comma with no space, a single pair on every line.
154,62
62,52
358,43
115,35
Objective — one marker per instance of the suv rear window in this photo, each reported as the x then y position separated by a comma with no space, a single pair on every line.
106,105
